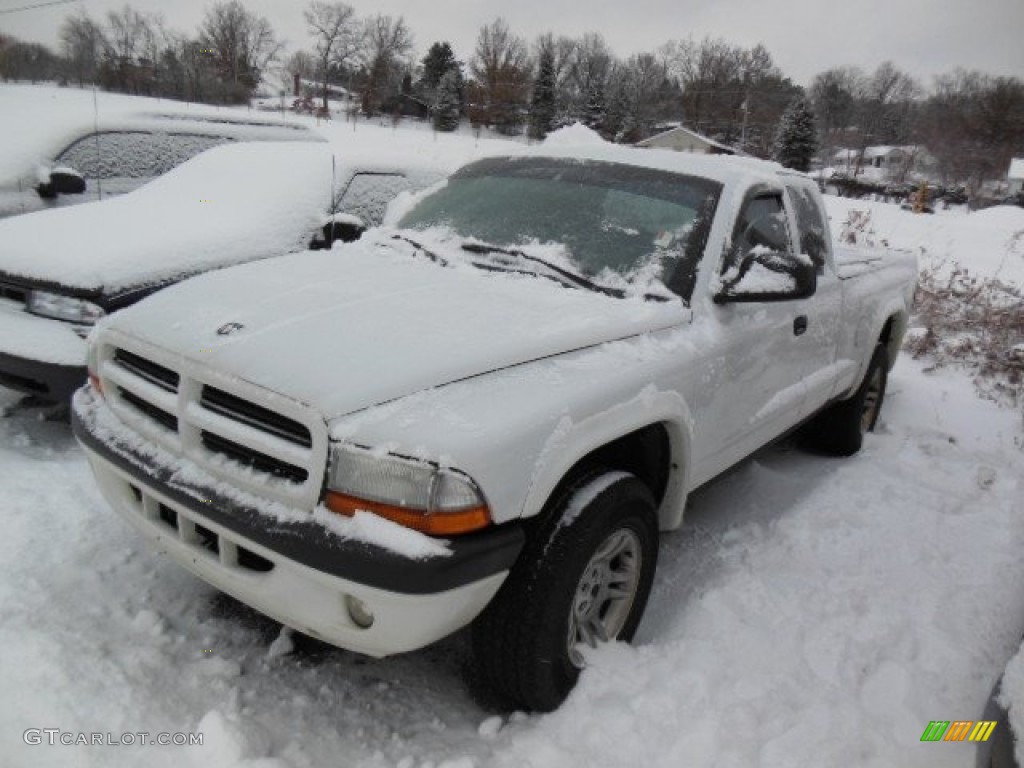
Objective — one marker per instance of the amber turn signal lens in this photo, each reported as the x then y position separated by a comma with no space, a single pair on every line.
95,381
433,524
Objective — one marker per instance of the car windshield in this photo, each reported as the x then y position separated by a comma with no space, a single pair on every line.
608,216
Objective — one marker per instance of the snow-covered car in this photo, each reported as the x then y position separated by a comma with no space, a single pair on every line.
62,270
487,413
72,162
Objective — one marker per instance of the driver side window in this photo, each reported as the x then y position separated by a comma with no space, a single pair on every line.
761,224
759,263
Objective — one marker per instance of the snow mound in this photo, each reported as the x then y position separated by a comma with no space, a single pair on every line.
1009,216
572,136
229,741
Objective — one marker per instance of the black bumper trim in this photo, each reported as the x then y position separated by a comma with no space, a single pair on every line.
473,556
48,381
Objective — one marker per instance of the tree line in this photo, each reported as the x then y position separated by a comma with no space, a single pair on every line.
972,123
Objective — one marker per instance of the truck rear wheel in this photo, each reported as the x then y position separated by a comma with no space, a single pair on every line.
583,579
841,427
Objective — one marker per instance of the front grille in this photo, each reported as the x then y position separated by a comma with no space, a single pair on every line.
13,292
162,377
250,414
274,452
254,459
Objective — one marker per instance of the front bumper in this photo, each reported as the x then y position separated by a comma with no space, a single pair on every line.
40,356
297,572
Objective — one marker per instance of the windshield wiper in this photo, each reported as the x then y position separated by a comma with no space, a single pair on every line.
565,274
425,251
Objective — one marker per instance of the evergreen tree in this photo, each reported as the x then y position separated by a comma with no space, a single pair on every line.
797,137
542,103
447,105
439,59
594,107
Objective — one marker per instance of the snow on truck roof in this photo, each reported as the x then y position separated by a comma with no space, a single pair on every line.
724,168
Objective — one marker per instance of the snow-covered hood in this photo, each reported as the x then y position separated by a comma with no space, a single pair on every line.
366,323
230,204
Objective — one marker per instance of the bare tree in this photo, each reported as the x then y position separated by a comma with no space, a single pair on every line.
587,80
241,43
82,44
129,39
835,95
26,61
387,42
973,125
500,77
338,35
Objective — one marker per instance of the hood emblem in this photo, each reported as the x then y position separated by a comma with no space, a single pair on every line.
229,328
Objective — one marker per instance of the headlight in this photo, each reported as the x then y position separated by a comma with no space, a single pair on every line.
415,494
67,308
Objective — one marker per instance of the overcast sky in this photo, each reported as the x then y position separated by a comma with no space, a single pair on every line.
923,37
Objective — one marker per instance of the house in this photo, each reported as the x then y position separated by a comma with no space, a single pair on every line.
682,139
881,164
1015,177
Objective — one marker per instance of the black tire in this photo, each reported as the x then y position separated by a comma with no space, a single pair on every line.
839,429
521,642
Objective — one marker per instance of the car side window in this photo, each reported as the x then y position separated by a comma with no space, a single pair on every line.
810,225
761,224
368,194
133,154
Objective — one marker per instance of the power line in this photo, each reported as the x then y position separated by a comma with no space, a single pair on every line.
36,5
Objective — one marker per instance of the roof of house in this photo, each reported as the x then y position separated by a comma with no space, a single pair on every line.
652,140
1016,168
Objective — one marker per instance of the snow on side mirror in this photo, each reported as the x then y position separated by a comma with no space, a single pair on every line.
767,275
62,181
338,227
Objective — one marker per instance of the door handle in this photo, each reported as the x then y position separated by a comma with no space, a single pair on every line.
800,325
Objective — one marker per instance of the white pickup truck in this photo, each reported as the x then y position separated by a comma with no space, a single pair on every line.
486,413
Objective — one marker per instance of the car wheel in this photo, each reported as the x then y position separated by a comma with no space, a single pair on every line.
840,428
582,579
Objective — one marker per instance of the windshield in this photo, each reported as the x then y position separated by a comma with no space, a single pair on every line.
611,218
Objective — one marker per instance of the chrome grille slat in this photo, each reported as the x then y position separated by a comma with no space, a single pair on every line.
252,415
162,417
155,374
254,459
247,437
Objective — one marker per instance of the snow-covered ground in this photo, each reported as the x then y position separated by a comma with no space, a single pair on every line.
810,612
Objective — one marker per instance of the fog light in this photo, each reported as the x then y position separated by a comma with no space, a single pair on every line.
359,612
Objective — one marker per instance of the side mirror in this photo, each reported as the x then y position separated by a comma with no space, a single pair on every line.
62,181
766,275
339,227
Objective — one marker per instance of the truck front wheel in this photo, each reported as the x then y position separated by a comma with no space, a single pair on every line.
582,579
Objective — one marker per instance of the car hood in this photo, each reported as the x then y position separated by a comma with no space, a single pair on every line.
231,204
371,322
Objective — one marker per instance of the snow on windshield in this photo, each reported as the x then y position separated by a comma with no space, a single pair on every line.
608,222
